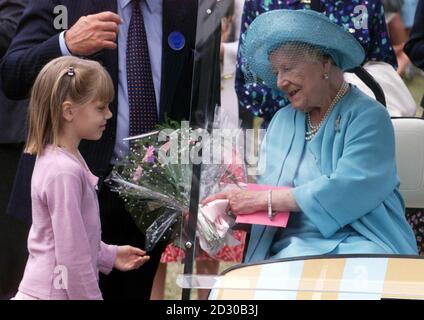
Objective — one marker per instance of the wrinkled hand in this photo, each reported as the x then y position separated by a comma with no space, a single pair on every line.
242,201
93,33
130,258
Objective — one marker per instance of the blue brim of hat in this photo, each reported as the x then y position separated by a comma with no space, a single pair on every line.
272,29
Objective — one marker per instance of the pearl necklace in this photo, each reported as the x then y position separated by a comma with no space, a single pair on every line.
314,128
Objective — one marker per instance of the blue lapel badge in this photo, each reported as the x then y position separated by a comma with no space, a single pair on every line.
176,40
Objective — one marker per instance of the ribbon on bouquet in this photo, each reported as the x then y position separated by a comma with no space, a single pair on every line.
214,223
213,227
216,212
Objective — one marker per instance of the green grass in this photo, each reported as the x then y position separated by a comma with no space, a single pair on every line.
416,86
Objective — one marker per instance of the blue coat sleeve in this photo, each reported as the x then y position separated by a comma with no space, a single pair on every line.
362,178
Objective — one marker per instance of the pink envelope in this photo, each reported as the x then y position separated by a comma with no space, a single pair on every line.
280,219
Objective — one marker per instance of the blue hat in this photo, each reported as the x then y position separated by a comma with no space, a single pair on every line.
272,29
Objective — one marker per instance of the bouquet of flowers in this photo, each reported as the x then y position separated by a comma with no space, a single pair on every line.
155,180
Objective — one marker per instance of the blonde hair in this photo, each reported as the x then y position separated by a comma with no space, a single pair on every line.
66,78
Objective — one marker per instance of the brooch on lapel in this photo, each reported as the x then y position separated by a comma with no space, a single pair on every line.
337,125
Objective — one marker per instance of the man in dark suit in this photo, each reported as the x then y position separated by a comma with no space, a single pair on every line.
414,48
12,136
93,33
10,13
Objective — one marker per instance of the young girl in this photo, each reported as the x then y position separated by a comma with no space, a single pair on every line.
69,102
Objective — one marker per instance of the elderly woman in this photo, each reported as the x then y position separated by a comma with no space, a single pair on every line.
260,100
333,145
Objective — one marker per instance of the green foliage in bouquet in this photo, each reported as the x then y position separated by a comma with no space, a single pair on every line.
153,188
155,180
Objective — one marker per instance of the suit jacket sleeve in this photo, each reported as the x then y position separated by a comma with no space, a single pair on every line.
35,44
414,48
10,13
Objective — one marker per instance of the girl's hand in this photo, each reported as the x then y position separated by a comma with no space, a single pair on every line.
130,258
242,201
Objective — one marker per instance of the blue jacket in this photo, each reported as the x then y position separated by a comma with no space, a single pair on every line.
355,150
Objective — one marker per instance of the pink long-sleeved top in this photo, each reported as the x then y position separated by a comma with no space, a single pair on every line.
64,243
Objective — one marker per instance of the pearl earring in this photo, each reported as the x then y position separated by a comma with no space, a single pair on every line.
326,76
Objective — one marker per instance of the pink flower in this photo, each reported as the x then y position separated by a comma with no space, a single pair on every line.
150,157
137,174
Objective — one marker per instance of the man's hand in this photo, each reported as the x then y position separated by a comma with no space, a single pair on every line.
130,258
92,33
